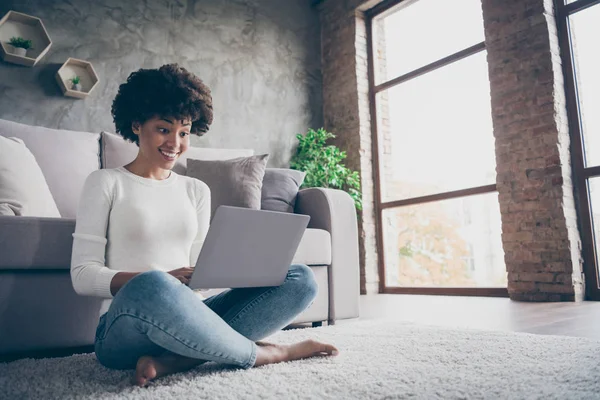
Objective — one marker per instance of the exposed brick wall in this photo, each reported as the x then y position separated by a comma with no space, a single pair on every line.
540,237
347,115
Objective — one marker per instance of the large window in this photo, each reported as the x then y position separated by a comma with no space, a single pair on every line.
579,30
439,218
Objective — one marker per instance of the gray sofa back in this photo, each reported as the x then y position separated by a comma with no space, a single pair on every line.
68,157
116,152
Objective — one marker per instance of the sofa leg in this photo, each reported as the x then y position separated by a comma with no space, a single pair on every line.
317,324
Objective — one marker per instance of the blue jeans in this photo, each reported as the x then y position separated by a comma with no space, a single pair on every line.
154,313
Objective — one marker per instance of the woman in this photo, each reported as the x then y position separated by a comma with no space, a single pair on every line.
139,229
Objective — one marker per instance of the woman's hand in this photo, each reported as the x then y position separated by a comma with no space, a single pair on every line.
183,274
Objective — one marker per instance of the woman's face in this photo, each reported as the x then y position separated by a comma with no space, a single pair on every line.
162,140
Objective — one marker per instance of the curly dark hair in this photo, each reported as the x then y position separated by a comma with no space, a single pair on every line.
169,91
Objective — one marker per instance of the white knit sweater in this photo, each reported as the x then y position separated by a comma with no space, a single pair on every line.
127,223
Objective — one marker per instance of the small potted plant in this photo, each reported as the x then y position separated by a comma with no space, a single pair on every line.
20,45
76,83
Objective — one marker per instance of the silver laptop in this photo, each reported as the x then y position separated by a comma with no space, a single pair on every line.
248,248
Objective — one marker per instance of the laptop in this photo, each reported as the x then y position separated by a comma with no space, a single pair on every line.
248,248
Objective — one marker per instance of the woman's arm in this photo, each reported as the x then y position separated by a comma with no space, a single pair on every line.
89,274
203,216
119,280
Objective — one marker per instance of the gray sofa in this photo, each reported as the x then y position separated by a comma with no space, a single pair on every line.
39,310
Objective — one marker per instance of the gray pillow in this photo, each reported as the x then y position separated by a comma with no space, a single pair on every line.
23,187
65,157
280,188
236,182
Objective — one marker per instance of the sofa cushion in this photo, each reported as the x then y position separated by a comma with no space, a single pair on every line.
236,182
46,243
314,248
280,188
65,157
36,242
23,188
116,152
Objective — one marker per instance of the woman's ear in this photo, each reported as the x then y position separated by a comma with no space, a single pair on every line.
136,127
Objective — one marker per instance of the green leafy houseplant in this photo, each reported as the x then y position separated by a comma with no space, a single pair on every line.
323,165
20,42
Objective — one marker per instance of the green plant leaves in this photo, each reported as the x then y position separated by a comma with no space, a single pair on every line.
323,164
20,42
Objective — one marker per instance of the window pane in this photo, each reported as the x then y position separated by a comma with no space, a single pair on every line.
594,187
450,243
585,31
436,131
422,32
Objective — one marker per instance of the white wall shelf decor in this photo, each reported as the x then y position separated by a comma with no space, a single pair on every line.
31,28
81,68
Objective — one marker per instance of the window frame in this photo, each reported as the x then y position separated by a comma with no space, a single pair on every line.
388,7
581,173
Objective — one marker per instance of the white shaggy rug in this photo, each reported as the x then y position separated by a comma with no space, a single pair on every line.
378,359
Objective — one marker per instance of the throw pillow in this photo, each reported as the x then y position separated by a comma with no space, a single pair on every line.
236,182
23,187
280,188
66,158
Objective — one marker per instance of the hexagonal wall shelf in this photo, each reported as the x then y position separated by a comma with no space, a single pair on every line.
28,27
81,68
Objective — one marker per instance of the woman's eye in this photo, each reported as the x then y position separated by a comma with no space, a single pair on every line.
185,133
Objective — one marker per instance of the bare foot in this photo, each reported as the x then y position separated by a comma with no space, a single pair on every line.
268,353
149,368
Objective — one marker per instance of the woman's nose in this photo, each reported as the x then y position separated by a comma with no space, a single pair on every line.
175,140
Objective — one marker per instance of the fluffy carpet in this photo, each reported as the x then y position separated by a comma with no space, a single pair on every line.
378,359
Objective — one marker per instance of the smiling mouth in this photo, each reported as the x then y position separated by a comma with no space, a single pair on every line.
169,156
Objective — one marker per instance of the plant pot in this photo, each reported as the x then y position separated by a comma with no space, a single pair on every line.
76,86
19,51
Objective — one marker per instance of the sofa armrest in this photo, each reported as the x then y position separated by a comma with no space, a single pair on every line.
36,242
334,211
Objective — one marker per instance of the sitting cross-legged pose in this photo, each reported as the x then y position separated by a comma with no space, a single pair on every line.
138,234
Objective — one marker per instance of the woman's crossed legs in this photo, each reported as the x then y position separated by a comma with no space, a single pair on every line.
158,326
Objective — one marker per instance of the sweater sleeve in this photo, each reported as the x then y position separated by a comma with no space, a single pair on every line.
203,216
89,274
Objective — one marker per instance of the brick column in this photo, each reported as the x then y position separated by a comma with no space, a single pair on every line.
346,113
539,225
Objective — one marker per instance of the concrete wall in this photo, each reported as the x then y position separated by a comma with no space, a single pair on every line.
261,59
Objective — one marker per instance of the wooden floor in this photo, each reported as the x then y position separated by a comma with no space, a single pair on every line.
568,319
